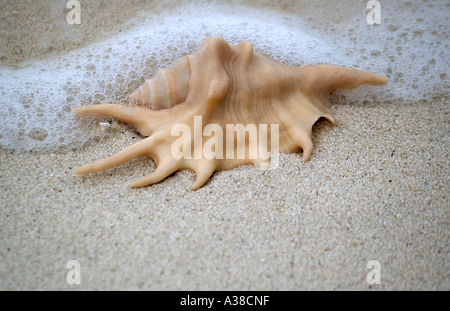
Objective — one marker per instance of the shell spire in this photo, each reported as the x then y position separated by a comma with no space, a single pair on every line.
168,88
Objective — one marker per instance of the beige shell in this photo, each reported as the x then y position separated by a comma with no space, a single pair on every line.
223,85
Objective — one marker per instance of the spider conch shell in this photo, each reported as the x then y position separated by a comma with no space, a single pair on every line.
223,85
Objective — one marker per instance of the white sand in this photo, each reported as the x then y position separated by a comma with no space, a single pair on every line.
376,188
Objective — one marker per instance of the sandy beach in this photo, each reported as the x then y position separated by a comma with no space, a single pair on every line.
376,188
371,192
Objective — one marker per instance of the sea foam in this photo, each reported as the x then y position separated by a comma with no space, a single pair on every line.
37,99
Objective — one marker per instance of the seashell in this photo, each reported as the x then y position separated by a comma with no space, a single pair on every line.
168,88
221,88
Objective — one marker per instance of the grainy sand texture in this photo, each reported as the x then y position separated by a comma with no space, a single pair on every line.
376,188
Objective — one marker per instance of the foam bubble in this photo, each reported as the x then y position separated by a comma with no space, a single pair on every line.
37,100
